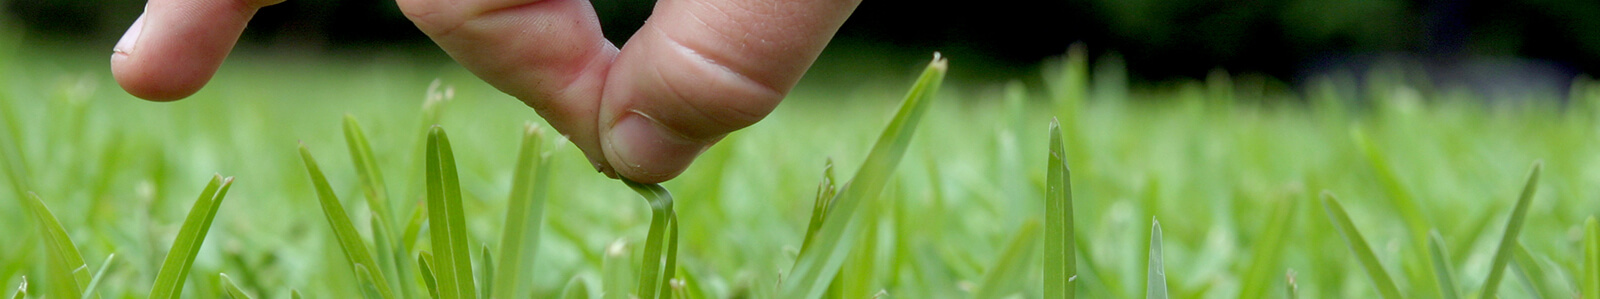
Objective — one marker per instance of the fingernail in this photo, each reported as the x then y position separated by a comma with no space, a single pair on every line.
649,149
130,38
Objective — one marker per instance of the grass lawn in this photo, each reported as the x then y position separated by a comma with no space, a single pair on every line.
1334,190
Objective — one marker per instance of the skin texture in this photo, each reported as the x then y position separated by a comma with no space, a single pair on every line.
696,71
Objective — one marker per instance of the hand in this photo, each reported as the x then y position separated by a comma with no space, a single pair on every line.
698,70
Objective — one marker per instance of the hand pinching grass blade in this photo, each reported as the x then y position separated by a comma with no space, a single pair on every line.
1009,273
169,281
1156,276
820,261
660,217
1508,241
355,249
447,228
61,256
1358,245
524,217
1060,260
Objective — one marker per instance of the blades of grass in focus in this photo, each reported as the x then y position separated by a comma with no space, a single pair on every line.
1508,241
1060,253
819,208
660,215
519,240
169,281
1269,250
1009,273
1441,266
22,289
1530,273
367,171
1590,285
355,249
425,263
671,266
88,291
447,228
819,263
614,276
1156,276
1358,245
61,255
486,273
232,290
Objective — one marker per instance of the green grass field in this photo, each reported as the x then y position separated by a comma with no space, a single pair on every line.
1234,171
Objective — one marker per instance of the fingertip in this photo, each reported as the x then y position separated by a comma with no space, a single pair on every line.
145,85
642,149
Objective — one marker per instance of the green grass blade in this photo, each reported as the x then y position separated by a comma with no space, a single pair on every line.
671,267
88,291
22,289
232,290
1156,276
1441,266
1530,273
1010,272
355,249
615,276
367,170
447,228
1508,241
294,294
1358,245
368,284
425,263
60,253
1269,250
486,273
660,209
818,264
1060,259
391,259
519,240
169,281
819,208
577,288
1591,259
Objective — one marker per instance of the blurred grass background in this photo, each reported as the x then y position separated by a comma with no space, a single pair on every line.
1209,153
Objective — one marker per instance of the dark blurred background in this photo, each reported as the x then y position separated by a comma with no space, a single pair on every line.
1158,39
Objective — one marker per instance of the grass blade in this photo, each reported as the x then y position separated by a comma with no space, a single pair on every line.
671,267
1060,252
819,263
577,288
519,240
425,263
661,210
294,294
61,255
819,208
1009,272
1269,250
22,289
169,281
1358,245
1156,277
615,277
1530,273
88,291
447,228
367,170
1441,266
355,249
1508,241
232,290
1591,259
486,273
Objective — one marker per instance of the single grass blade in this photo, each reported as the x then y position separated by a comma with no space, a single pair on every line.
355,249
577,288
1530,273
1060,259
1358,245
818,264
1156,276
519,241
1442,271
22,289
367,171
1269,250
169,281
1010,272
615,277
425,262
819,208
486,273
447,228
671,267
368,284
232,290
88,291
1508,241
661,210
294,294
62,257
1590,285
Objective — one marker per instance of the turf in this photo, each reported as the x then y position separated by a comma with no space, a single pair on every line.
1232,167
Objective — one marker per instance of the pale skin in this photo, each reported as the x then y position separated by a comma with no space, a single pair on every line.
696,71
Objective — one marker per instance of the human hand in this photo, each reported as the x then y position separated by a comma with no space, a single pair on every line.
696,71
